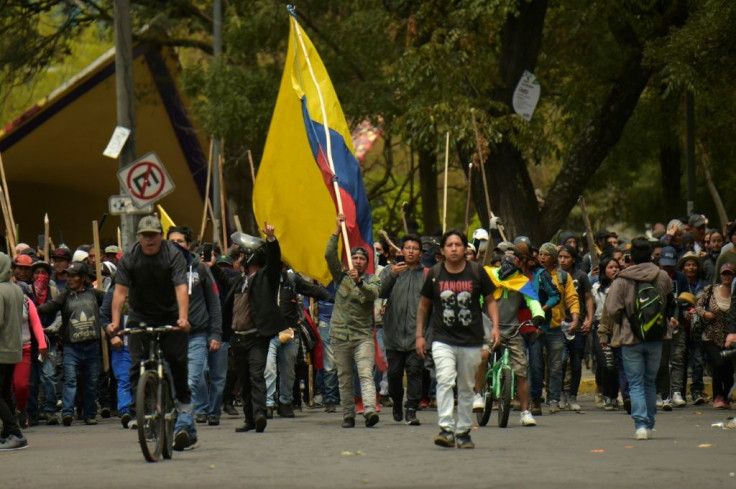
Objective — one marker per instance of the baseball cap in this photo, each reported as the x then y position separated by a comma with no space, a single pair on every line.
62,254
80,255
668,258
504,246
41,264
224,259
150,224
77,268
728,267
113,249
23,261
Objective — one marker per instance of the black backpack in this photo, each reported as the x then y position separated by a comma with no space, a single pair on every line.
648,321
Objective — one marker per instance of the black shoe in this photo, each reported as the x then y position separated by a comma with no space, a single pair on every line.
348,422
411,417
213,420
22,419
398,414
181,441
536,408
269,412
247,426
105,412
463,440
230,410
32,420
200,418
445,439
90,422
125,419
44,416
260,423
286,411
698,398
386,401
53,420
371,419
67,420
627,405
330,407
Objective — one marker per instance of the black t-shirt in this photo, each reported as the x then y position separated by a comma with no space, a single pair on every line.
456,309
151,280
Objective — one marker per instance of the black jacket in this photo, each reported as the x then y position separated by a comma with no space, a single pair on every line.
264,288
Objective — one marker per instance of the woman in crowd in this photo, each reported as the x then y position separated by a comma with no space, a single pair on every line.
606,373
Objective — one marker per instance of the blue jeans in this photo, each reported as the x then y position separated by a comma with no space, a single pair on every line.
210,402
281,362
85,358
45,374
554,341
329,372
196,360
641,363
120,362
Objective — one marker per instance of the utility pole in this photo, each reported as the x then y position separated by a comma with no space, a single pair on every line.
216,140
125,95
690,150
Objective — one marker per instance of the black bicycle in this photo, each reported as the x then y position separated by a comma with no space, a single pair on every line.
154,400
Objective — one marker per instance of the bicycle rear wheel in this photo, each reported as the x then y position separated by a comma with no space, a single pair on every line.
169,413
504,402
487,393
150,416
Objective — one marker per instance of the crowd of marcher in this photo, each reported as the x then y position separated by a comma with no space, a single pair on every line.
650,316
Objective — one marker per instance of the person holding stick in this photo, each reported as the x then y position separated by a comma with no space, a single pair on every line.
352,327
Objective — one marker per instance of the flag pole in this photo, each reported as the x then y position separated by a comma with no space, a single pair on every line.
483,174
206,193
46,236
470,192
328,138
444,199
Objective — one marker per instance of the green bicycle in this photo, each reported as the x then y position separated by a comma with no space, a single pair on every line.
500,382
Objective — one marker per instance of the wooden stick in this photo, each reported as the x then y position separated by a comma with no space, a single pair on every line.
98,273
238,226
470,192
120,239
252,168
223,212
388,240
403,217
10,234
7,198
46,236
206,192
589,233
212,218
482,163
444,199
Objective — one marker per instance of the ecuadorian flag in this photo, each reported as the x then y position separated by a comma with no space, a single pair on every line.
308,148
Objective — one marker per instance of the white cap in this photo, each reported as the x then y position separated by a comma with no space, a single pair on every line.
79,255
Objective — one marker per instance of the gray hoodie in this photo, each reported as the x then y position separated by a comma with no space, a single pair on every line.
11,315
615,328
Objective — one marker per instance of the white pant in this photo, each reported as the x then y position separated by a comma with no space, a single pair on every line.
455,365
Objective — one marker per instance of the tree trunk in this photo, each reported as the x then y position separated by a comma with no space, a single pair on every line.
428,191
670,163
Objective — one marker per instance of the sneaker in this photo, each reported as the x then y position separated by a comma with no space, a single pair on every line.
348,422
125,419
411,417
660,403
719,403
573,404
330,407
463,440
398,413
181,440
698,398
269,412
67,419
677,400
105,412
600,401
445,439
527,419
385,400
666,405
22,419
260,423
537,408
608,404
554,407
641,434
200,418
230,410
564,404
133,425
14,442
90,422
213,420
478,403
53,419
424,404
627,405
286,411
371,419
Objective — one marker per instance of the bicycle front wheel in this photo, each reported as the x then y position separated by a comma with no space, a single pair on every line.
504,402
150,416
487,393
169,413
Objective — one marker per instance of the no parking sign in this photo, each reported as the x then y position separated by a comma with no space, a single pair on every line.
146,180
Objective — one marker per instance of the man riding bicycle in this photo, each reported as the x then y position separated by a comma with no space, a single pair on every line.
152,275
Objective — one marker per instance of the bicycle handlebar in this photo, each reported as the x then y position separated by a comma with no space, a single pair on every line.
149,329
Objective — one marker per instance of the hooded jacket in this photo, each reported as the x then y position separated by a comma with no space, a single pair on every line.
615,328
400,320
11,315
205,314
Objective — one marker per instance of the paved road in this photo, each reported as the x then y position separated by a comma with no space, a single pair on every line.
566,450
